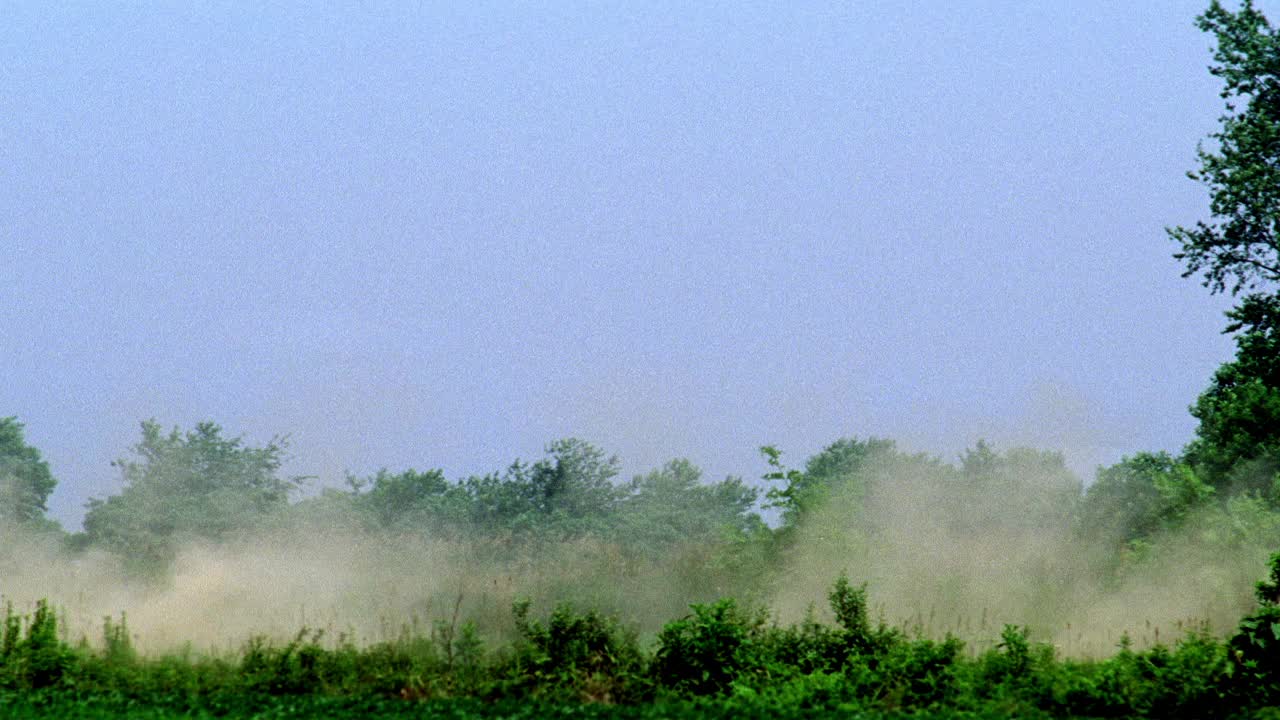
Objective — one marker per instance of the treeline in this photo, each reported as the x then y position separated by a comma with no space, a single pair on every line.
199,485
1010,535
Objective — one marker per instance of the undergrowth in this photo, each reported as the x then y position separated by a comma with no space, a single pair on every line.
722,657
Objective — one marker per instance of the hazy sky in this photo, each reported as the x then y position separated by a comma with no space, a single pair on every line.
444,235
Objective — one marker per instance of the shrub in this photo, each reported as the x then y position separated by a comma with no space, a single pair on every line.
574,656
292,669
1255,647
40,659
703,653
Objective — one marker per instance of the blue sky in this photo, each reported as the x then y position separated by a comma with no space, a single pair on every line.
444,235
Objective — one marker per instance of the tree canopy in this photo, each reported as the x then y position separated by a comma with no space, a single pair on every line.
1239,248
25,479
195,484
1238,251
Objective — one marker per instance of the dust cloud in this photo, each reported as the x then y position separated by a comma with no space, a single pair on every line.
939,562
936,561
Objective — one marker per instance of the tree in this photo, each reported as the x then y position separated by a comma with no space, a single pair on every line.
25,480
575,481
838,466
1239,250
1238,439
196,484
413,501
1140,496
672,506
568,493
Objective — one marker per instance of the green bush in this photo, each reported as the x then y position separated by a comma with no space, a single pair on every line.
1254,649
38,658
919,673
574,656
705,652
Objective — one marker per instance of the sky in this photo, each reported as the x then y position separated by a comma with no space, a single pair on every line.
443,235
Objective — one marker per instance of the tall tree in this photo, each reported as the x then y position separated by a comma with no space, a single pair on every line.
1239,248
25,480
1238,251
569,491
413,501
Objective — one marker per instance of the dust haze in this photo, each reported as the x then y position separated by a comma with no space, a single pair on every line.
939,557
936,562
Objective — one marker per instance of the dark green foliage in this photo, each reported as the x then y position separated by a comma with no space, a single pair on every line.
719,661
1240,248
1140,496
803,649
25,480
1017,673
837,468
1255,648
574,656
721,647
703,653
1187,681
291,669
669,516
572,489
37,658
672,505
849,604
408,500
117,646
912,674
1268,591
1239,413
853,648
1011,661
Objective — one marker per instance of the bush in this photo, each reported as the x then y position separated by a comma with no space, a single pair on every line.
38,659
293,669
1255,648
574,656
703,653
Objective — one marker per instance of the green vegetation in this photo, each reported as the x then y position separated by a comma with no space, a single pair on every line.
999,585
25,480
720,659
1238,251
